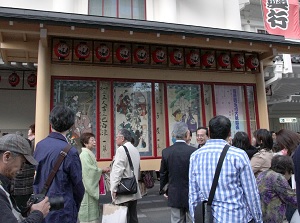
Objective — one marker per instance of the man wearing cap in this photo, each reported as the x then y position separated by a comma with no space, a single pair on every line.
68,179
14,152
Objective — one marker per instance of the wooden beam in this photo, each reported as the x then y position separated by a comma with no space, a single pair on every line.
24,37
4,55
1,37
268,55
17,45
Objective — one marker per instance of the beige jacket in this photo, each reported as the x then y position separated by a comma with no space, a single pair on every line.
122,169
261,161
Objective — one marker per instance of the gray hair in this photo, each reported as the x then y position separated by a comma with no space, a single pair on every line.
126,133
180,130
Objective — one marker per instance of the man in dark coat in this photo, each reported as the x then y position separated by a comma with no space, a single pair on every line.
174,171
68,179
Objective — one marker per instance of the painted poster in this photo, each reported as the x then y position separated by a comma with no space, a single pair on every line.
132,104
160,118
251,106
105,117
80,96
184,105
230,103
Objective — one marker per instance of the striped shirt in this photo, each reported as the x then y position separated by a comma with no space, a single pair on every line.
236,198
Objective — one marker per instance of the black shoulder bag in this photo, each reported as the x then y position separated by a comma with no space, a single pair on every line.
203,211
127,185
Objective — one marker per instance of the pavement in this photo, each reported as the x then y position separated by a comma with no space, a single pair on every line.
152,208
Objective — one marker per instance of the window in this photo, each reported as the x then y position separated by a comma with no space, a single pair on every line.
130,9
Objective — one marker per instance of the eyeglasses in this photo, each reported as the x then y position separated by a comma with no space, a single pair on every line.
119,136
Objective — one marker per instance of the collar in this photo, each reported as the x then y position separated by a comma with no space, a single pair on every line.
58,135
5,183
180,140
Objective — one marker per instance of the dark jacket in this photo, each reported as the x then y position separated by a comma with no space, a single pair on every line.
296,159
6,214
174,170
67,181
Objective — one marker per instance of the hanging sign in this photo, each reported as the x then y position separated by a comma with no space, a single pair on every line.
252,62
192,58
159,55
82,51
32,80
224,60
122,53
102,52
14,79
140,54
238,61
208,60
176,57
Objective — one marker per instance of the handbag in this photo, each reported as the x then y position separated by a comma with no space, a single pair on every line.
203,211
147,179
127,185
114,213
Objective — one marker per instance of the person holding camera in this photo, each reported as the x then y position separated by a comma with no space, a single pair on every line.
14,153
67,182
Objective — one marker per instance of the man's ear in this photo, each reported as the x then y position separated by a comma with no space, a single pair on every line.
229,134
6,156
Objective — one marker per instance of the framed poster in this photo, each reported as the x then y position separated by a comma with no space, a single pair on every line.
184,105
160,118
230,102
132,110
80,96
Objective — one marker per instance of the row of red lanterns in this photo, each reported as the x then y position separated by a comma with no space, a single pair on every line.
159,56
14,79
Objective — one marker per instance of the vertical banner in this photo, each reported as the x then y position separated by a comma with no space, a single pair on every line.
281,17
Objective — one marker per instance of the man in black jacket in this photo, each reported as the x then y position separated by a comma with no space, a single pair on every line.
14,152
174,170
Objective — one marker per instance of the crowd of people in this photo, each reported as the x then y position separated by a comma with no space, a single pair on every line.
254,184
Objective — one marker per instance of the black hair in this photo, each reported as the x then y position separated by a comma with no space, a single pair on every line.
264,139
219,127
282,164
61,118
206,130
241,140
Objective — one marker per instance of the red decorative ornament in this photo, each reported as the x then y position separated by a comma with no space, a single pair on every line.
176,57
207,60
140,55
14,79
159,56
192,58
224,60
32,80
122,54
102,52
238,61
82,51
252,62
62,50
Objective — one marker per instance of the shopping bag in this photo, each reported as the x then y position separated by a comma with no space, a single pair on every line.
102,190
107,181
114,213
203,213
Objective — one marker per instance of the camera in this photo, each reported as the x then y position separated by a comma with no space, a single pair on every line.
56,203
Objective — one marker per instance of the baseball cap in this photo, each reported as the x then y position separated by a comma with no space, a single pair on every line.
17,144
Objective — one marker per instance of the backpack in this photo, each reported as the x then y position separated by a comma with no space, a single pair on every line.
148,179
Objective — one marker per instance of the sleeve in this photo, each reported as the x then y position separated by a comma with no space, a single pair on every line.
250,189
6,214
118,169
194,190
285,192
163,172
91,175
34,217
75,171
256,163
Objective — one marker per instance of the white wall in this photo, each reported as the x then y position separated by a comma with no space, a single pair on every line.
17,110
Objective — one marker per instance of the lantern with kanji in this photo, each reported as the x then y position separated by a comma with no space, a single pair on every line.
14,79
238,61
102,52
208,60
224,60
62,50
176,57
192,58
82,51
159,55
122,53
140,55
31,80
252,62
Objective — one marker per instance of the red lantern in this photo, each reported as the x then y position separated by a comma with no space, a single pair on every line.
207,59
140,54
252,62
238,61
82,51
192,58
122,53
62,50
224,60
102,52
31,80
14,79
176,57
159,56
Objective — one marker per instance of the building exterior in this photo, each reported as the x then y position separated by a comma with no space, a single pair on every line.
143,71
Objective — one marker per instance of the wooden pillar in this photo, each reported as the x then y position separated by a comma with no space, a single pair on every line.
42,109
